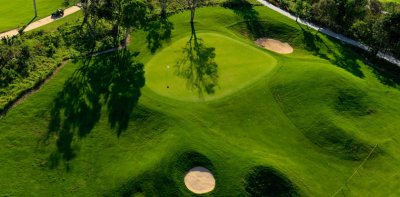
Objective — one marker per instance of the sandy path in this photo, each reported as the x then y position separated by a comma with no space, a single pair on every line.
199,180
41,22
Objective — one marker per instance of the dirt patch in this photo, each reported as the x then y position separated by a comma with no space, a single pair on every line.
199,180
275,45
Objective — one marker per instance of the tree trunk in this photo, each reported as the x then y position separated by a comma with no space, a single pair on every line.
34,6
163,4
192,12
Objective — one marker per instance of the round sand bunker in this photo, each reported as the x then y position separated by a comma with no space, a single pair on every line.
199,180
275,45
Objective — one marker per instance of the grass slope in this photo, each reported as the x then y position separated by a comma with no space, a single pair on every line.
18,13
303,123
396,1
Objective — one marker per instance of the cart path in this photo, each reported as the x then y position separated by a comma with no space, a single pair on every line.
41,22
330,33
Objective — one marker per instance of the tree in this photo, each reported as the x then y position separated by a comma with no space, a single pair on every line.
362,30
121,14
375,7
134,15
198,66
303,9
354,10
326,11
391,27
164,5
34,7
299,8
192,5
90,20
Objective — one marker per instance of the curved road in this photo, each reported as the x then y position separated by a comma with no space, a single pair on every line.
41,22
325,31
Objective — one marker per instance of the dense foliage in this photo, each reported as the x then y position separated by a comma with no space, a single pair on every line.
372,22
27,60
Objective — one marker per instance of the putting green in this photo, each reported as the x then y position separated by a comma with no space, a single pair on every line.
239,65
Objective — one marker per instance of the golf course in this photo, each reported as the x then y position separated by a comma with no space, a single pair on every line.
218,96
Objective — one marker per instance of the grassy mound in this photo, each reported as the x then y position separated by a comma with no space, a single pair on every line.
187,160
325,112
147,184
354,102
164,180
336,141
266,181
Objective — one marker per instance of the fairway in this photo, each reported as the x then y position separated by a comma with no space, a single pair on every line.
247,122
17,13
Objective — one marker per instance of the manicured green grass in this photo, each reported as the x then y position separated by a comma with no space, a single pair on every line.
396,1
253,64
302,124
17,13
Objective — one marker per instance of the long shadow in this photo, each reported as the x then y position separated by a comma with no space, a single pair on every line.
387,73
198,66
158,30
250,16
342,57
20,31
113,81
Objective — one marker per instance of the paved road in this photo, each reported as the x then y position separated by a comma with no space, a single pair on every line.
325,31
41,22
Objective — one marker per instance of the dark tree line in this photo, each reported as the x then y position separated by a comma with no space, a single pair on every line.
370,21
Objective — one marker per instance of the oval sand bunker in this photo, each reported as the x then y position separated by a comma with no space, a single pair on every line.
199,180
275,45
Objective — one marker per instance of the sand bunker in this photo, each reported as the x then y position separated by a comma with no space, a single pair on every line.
275,45
199,180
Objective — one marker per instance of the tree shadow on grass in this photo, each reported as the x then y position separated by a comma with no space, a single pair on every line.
113,81
340,56
21,31
387,73
198,66
158,31
250,16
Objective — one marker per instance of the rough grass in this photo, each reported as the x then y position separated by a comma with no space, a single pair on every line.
259,125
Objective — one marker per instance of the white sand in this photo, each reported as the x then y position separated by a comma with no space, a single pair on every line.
199,180
275,45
